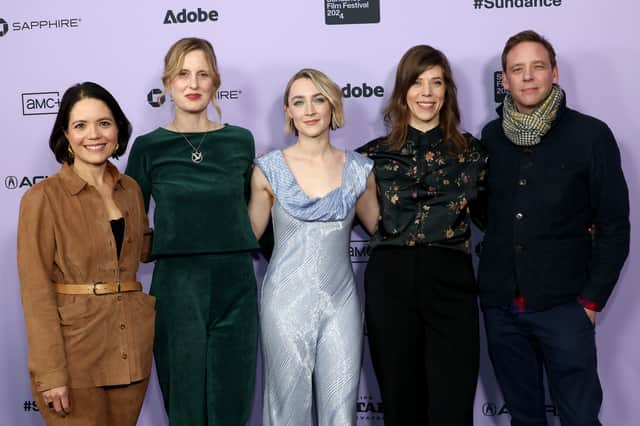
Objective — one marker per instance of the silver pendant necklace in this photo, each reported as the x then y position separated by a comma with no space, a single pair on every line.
196,154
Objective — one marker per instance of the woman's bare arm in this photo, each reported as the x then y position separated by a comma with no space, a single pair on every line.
367,207
260,202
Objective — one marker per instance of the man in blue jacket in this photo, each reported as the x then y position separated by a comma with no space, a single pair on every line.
556,238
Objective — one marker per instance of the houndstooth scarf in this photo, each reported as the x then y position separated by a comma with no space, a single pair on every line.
527,129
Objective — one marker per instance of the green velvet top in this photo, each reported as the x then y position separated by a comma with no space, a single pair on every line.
199,207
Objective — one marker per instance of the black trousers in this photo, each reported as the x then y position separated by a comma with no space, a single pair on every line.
422,323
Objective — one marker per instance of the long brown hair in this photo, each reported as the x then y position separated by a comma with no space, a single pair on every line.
397,114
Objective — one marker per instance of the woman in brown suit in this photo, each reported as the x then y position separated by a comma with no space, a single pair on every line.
80,239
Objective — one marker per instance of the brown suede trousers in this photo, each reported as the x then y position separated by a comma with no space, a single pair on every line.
98,406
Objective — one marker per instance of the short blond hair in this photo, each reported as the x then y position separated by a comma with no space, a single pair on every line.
329,90
174,60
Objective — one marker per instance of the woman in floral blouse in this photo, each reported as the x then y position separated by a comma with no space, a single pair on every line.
421,310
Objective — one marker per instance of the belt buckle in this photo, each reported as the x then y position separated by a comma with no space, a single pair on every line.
96,293
94,287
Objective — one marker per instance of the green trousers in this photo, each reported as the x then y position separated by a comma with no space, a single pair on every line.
206,337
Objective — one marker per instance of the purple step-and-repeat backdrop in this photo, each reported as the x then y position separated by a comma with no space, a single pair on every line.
47,46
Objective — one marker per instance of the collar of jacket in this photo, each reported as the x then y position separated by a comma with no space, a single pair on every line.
74,183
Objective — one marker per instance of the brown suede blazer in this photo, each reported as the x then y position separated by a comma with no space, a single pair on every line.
64,236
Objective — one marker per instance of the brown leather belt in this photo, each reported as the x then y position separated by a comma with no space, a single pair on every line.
98,288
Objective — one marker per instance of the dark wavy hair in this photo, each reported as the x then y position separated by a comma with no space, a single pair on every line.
88,90
397,114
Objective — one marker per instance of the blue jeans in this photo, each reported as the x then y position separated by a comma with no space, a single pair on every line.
562,339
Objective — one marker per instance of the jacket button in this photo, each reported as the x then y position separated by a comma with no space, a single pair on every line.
119,298
124,355
519,248
519,216
522,182
122,326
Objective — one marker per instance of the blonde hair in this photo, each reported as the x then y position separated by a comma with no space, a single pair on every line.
329,90
174,60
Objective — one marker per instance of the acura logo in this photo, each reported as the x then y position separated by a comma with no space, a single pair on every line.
11,182
489,409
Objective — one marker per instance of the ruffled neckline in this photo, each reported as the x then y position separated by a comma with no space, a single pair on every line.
299,188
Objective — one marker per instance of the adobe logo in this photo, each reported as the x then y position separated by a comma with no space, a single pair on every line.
362,91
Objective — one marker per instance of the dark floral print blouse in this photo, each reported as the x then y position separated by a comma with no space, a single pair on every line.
425,190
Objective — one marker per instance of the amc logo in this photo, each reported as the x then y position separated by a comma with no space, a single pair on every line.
40,103
359,251
14,182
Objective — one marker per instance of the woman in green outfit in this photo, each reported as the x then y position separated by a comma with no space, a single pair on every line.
197,171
